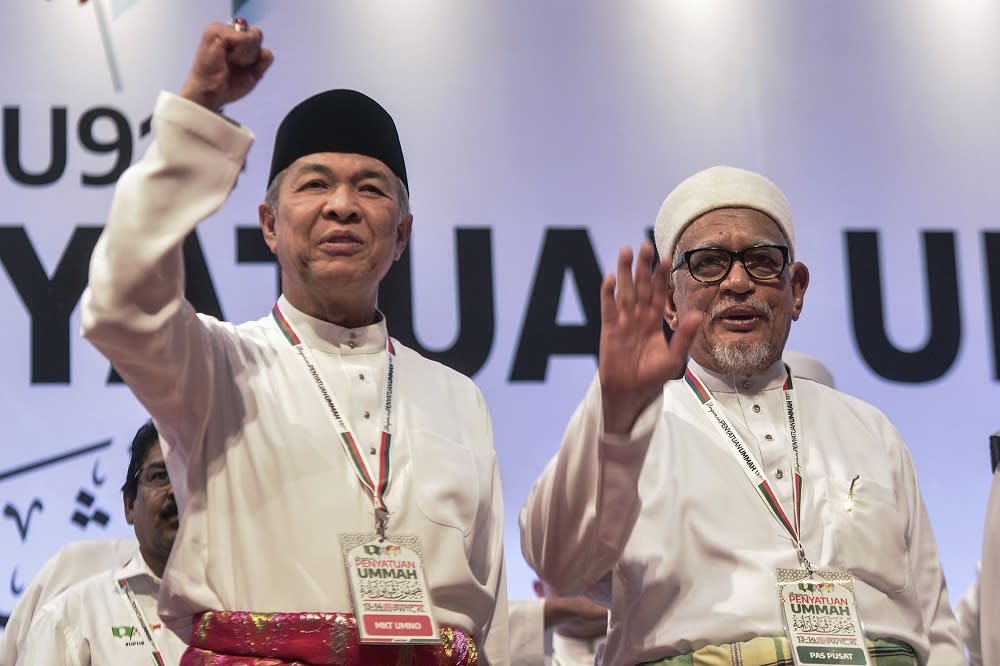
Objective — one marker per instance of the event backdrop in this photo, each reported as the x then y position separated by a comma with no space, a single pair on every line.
540,136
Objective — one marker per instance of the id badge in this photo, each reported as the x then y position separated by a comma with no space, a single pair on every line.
821,617
388,589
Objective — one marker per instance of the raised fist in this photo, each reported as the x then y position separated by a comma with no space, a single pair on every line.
227,65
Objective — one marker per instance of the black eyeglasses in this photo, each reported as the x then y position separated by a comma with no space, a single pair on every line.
155,476
712,264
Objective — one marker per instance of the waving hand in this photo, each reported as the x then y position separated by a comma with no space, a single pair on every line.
635,357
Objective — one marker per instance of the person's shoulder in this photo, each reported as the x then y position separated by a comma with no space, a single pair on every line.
243,339
77,560
830,398
108,553
76,598
435,369
247,327
841,411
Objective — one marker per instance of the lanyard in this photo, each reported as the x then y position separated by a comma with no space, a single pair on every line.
141,618
714,413
376,487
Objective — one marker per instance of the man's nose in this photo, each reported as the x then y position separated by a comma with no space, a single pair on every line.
737,280
341,204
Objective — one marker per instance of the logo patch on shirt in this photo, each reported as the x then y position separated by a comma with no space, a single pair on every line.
128,635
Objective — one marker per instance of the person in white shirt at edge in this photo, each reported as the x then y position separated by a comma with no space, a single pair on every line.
989,580
553,630
645,486
71,564
969,621
110,618
277,431
979,614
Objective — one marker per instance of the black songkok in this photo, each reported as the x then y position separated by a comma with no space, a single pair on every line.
338,121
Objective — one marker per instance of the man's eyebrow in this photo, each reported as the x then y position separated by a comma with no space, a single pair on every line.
365,174
705,245
314,167
324,170
715,245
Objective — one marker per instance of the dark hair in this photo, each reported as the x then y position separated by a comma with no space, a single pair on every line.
143,441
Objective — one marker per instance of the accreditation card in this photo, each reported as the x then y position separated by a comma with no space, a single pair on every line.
389,590
821,617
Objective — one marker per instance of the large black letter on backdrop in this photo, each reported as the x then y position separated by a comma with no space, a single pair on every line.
49,302
474,253
991,247
865,284
251,249
541,337
12,148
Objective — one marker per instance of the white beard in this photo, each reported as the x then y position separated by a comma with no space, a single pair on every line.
742,358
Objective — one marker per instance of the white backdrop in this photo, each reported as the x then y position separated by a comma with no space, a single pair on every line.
529,120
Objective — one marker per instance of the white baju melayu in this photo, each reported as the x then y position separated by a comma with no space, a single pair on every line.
262,481
693,549
989,580
92,622
71,564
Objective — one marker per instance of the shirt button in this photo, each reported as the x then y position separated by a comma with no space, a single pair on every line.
351,344
746,385
768,437
367,415
353,334
778,475
372,451
756,409
361,376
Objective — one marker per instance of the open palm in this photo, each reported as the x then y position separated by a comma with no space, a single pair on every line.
636,359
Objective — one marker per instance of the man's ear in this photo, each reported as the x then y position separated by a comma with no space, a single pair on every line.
403,230
267,218
670,307
129,504
799,278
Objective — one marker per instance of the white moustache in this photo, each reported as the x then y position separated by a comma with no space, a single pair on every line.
760,308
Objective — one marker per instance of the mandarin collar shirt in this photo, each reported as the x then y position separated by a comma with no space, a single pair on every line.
92,623
692,549
258,468
71,564
355,358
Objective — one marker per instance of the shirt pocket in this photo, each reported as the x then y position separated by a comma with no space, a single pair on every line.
446,479
868,534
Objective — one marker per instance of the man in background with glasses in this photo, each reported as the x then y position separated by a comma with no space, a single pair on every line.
110,618
737,500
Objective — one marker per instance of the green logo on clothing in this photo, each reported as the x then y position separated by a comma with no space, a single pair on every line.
123,631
